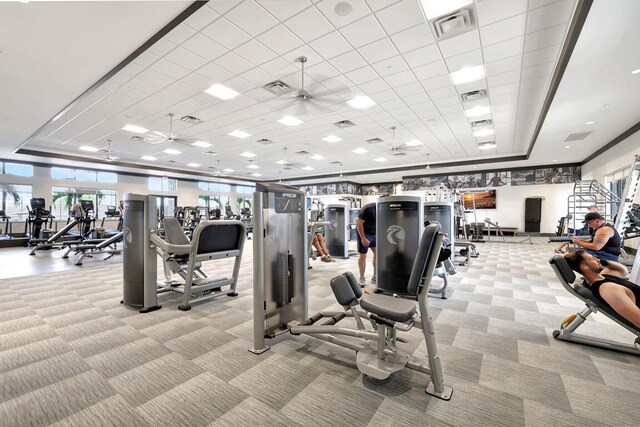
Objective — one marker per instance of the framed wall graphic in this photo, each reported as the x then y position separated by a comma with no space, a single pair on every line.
480,200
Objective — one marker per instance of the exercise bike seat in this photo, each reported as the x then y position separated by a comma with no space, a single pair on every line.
397,309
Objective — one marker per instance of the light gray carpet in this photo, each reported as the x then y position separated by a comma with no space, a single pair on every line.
72,355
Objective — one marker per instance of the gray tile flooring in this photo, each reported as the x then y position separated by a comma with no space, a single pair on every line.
72,355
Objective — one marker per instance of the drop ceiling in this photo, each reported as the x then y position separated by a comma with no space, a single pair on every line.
384,50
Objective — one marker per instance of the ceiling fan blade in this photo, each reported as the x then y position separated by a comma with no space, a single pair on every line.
160,134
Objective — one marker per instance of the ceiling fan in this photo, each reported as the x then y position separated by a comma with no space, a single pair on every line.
287,165
307,101
109,157
160,138
398,149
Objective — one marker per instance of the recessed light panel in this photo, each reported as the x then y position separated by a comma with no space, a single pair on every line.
253,167
255,174
636,71
478,110
172,151
222,92
413,143
227,170
136,129
468,75
361,102
247,154
360,150
289,121
202,144
193,165
239,134
317,157
332,138
150,158
483,132
308,168
379,159
487,145
89,149
590,123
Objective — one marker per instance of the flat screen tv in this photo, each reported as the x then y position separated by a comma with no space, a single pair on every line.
483,200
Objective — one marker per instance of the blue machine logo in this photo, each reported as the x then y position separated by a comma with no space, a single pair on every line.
395,233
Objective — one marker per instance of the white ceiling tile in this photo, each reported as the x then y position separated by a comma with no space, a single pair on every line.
362,75
161,47
504,89
376,5
186,59
374,86
447,101
284,9
348,62
423,55
503,30
443,92
180,33
309,24
400,16
390,66
331,45
460,44
203,17
503,50
538,82
544,69
541,56
233,63
413,38
152,76
280,39
384,96
468,59
400,79
359,10
503,65
377,51
255,52
545,38
204,47
550,15
411,92
490,11
251,17
260,95
363,31
322,71
183,89
312,56
169,68
240,85
215,73
428,71
504,78
279,67
146,58
226,34
142,86
436,82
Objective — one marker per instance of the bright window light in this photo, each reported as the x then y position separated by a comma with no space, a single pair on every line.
90,149
136,129
317,157
478,110
239,134
255,174
202,144
150,158
379,159
360,150
434,8
468,75
289,121
193,165
483,132
172,151
487,145
222,92
308,168
247,154
253,167
332,138
361,102
413,143
227,170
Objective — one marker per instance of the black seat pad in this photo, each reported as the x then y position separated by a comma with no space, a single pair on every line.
399,310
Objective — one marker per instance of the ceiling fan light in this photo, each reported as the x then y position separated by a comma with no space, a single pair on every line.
202,144
136,129
222,92
361,102
290,121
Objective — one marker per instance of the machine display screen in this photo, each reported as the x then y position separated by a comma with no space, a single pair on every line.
288,203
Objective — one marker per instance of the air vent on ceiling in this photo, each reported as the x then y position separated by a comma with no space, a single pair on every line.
344,124
211,153
171,161
249,161
455,23
481,123
264,141
474,95
136,138
277,88
336,163
302,153
374,140
578,136
191,119
399,154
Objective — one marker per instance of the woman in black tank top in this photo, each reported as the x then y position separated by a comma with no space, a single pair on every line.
595,287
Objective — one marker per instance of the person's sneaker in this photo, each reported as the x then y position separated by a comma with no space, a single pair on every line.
325,258
374,279
363,282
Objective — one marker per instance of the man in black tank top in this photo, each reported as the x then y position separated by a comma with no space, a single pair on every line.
605,243
607,282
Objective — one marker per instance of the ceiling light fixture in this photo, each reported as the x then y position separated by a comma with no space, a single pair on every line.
590,123
361,102
308,168
239,134
413,143
253,167
332,138
289,121
360,150
227,170
172,151
202,144
636,71
434,8
478,110
379,159
247,154
193,165
222,92
150,158
136,129
467,75
483,132
255,174
317,157
567,146
89,149
487,145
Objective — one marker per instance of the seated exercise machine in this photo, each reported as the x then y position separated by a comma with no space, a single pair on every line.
499,230
281,295
91,247
316,227
580,290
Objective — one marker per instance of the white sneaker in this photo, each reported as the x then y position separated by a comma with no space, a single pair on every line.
363,282
374,280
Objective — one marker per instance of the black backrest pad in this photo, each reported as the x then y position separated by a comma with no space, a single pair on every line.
220,237
342,290
357,290
425,250
562,269
173,231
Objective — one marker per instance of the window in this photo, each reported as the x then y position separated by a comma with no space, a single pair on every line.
163,184
85,175
243,203
15,200
107,177
243,189
62,173
18,169
64,198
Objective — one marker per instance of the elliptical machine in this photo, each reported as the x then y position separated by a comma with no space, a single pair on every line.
37,220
